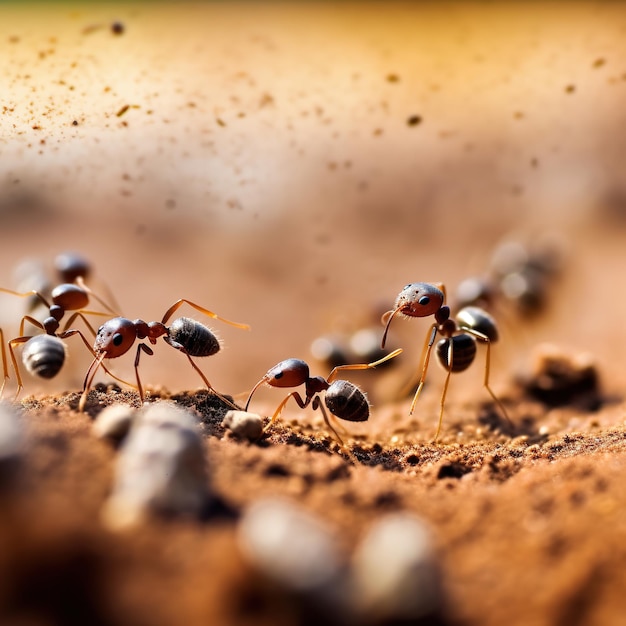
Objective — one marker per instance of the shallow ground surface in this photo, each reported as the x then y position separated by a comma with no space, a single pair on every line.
293,167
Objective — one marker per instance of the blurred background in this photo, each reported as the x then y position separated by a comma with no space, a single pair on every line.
293,166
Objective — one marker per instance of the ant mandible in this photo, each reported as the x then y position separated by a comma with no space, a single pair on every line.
343,399
457,349
116,336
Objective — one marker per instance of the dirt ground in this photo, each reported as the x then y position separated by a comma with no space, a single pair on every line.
293,166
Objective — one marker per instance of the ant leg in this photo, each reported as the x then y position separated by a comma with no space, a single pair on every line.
69,333
82,314
206,312
89,376
33,321
426,352
445,391
386,320
263,380
362,366
20,384
208,384
81,283
297,397
318,405
5,369
487,341
149,351
26,295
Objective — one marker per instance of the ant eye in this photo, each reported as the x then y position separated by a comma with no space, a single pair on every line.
117,339
424,300
278,375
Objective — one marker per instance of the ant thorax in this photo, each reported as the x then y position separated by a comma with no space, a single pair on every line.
315,385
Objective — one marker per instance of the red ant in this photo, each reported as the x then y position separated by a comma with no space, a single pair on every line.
45,357
343,399
457,349
116,336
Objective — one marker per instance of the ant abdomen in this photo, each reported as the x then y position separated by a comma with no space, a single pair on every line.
347,402
192,337
477,319
71,266
70,297
463,352
44,355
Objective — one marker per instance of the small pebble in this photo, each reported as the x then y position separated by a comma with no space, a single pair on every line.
290,546
395,571
11,442
114,422
244,424
161,468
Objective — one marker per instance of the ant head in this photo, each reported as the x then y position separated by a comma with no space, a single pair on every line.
420,300
287,373
115,337
415,300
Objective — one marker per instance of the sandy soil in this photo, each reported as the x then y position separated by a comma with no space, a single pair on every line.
293,167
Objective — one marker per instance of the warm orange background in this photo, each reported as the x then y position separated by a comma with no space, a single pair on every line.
266,169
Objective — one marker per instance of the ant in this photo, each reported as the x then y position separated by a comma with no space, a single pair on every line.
343,399
518,274
457,348
46,357
116,336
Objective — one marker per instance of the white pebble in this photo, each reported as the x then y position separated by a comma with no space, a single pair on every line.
395,570
11,438
161,468
290,546
166,412
114,421
244,424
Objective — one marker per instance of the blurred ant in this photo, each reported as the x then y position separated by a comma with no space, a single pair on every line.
343,399
340,349
353,342
116,336
31,275
457,349
518,274
45,357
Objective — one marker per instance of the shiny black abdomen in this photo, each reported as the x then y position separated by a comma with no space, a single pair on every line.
192,337
347,402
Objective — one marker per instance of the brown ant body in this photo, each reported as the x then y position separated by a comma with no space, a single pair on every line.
457,348
116,336
45,357
343,399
